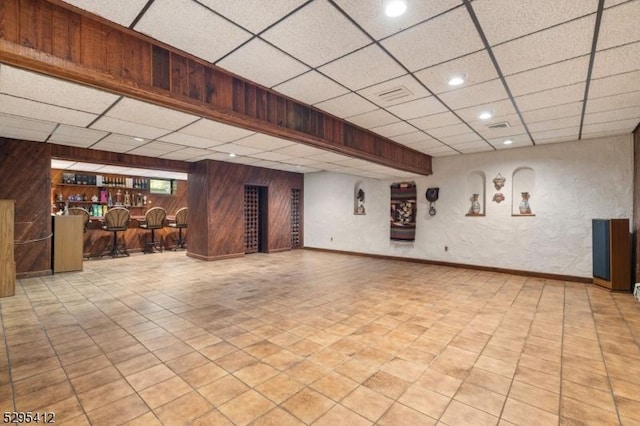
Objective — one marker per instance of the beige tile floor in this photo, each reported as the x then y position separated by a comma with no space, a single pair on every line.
308,337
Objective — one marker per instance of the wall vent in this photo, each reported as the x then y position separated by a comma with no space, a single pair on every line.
389,95
503,125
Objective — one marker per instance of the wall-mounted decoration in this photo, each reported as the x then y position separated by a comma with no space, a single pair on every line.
432,197
525,207
522,188
498,197
499,181
403,211
476,185
358,200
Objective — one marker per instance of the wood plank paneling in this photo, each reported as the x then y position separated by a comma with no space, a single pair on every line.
7,261
25,176
222,214
9,19
163,75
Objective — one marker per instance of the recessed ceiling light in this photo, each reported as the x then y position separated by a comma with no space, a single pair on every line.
232,155
395,8
485,115
138,139
508,142
457,79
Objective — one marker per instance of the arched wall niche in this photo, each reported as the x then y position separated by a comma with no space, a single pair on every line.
475,193
523,192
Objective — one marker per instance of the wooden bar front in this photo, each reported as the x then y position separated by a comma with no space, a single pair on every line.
7,263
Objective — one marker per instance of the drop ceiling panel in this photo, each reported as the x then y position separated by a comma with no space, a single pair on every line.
262,63
614,115
548,98
418,108
473,150
424,144
266,164
461,139
555,44
193,29
618,126
475,95
501,110
411,138
205,128
346,105
477,144
624,100
300,161
518,141
370,14
394,129
502,21
556,133
271,156
237,149
254,15
150,115
316,34
114,125
39,111
500,133
436,120
263,142
457,129
117,143
396,91
311,87
438,40
122,12
25,129
190,140
185,154
558,111
76,136
614,85
363,68
37,87
619,25
153,149
616,61
371,119
559,123
548,77
477,67
440,151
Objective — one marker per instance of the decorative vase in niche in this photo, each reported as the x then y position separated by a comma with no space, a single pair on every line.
525,208
475,204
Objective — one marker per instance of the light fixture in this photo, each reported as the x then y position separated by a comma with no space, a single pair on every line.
232,155
395,8
457,79
485,115
508,142
138,139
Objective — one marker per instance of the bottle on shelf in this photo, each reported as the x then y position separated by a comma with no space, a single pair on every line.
110,200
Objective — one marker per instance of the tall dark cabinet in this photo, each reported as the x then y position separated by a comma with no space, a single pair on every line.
612,254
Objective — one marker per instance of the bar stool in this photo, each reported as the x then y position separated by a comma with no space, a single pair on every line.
180,223
79,211
115,220
153,219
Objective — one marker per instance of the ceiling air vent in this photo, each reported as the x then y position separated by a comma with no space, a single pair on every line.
393,94
503,125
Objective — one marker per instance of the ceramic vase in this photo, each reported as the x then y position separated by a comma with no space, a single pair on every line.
475,204
524,206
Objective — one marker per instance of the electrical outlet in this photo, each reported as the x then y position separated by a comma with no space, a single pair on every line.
446,248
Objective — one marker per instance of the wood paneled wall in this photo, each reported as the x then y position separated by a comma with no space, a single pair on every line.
25,176
216,204
57,39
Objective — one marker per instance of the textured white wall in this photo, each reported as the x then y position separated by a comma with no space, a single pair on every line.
574,183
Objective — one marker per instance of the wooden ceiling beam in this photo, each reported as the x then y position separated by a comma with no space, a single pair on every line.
64,42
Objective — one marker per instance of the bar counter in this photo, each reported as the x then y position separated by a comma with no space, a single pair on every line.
98,241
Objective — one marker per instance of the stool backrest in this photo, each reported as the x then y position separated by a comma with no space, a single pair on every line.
155,217
79,211
116,219
181,216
